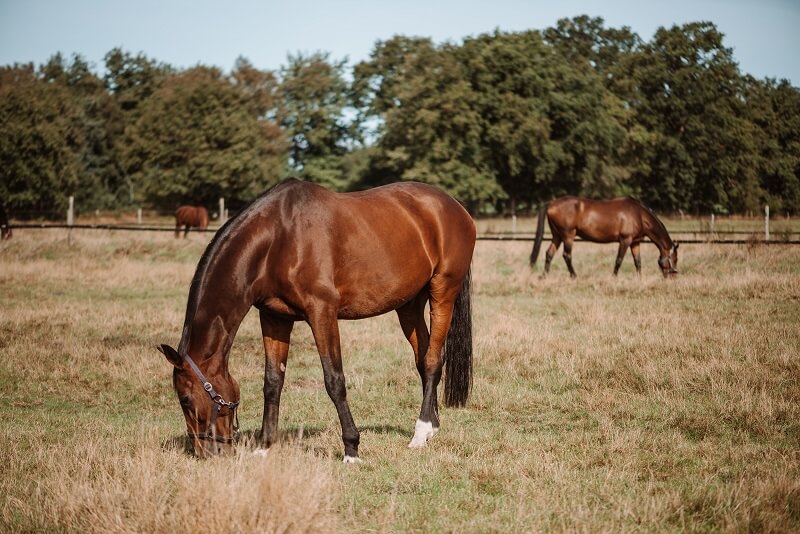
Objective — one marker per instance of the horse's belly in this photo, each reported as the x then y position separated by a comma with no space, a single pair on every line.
382,293
599,237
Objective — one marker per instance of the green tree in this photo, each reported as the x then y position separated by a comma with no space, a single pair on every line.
260,90
774,109
698,150
431,129
313,103
40,144
101,184
196,140
585,40
133,79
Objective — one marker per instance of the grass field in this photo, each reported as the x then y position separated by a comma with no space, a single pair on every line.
599,404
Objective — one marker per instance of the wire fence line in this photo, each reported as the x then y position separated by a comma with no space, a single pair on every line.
706,237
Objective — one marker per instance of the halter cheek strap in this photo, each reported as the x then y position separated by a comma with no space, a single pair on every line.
666,263
218,401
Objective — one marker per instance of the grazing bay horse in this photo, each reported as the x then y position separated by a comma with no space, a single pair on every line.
621,220
190,216
302,253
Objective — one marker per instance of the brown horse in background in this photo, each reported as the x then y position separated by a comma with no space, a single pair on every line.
302,253
190,216
621,220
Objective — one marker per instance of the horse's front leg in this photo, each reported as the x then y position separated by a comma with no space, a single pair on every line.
637,258
568,240
276,333
324,326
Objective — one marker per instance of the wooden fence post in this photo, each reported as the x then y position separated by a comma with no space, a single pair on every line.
222,214
711,237
139,216
766,222
71,212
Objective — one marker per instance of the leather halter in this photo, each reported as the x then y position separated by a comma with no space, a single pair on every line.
666,263
218,401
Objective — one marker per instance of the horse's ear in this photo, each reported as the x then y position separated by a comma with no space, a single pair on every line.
677,245
172,355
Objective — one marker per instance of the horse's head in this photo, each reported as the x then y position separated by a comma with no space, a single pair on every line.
208,403
668,261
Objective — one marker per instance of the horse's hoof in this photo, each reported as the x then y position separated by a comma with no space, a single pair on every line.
422,433
261,452
352,460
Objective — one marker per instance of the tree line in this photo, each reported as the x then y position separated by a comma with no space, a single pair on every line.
502,121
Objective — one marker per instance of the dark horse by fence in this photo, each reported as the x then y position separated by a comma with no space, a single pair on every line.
621,220
190,216
5,227
302,253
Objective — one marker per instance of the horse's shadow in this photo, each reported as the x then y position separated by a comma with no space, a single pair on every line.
293,434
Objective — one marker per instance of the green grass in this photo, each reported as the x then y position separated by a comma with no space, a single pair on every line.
598,404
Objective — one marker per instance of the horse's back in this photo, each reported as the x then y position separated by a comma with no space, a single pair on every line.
196,216
602,221
387,214
373,249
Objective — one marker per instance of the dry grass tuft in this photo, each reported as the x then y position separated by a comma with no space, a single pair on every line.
98,486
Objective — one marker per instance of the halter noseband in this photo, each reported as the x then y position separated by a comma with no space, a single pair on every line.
666,263
218,401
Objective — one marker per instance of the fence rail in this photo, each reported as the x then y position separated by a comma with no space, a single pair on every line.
755,237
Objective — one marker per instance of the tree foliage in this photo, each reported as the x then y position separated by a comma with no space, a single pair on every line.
502,120
313,97
196,141
40,143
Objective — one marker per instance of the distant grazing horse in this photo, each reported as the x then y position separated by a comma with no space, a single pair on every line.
302,253
190,216
621,220
5,228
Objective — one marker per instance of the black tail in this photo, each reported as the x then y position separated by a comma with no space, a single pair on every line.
458,349
537,243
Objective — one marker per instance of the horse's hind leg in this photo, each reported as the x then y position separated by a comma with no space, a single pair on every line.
623,248
185,231
276,333
442,298
412,321
551,251
322,320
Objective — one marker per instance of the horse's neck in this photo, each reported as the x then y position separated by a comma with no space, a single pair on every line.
657,233
212,335
220,307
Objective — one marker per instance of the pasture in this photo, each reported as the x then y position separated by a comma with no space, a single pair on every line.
598,404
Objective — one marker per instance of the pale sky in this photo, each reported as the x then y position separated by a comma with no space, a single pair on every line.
765,34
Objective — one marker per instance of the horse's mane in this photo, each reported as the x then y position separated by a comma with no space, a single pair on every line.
659,225
213,247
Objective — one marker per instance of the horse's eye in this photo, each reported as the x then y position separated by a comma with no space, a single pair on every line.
185,401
